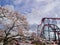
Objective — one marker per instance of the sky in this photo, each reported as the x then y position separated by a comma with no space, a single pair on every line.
34,10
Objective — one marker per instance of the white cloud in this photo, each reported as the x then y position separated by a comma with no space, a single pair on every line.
38,13
40,9
39,0
16,2
50,6
9,7
44,0
34,17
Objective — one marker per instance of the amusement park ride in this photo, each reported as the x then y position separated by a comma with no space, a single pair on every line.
49,29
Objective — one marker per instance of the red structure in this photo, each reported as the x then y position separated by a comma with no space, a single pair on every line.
49,29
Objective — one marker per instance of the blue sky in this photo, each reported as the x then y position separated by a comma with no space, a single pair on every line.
34,10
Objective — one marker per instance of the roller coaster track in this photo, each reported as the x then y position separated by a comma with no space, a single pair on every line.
53,27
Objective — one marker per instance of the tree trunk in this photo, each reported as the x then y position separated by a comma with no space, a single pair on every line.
4,43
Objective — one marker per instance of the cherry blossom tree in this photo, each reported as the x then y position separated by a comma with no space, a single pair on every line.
12,24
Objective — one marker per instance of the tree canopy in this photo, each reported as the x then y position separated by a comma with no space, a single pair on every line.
11,23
